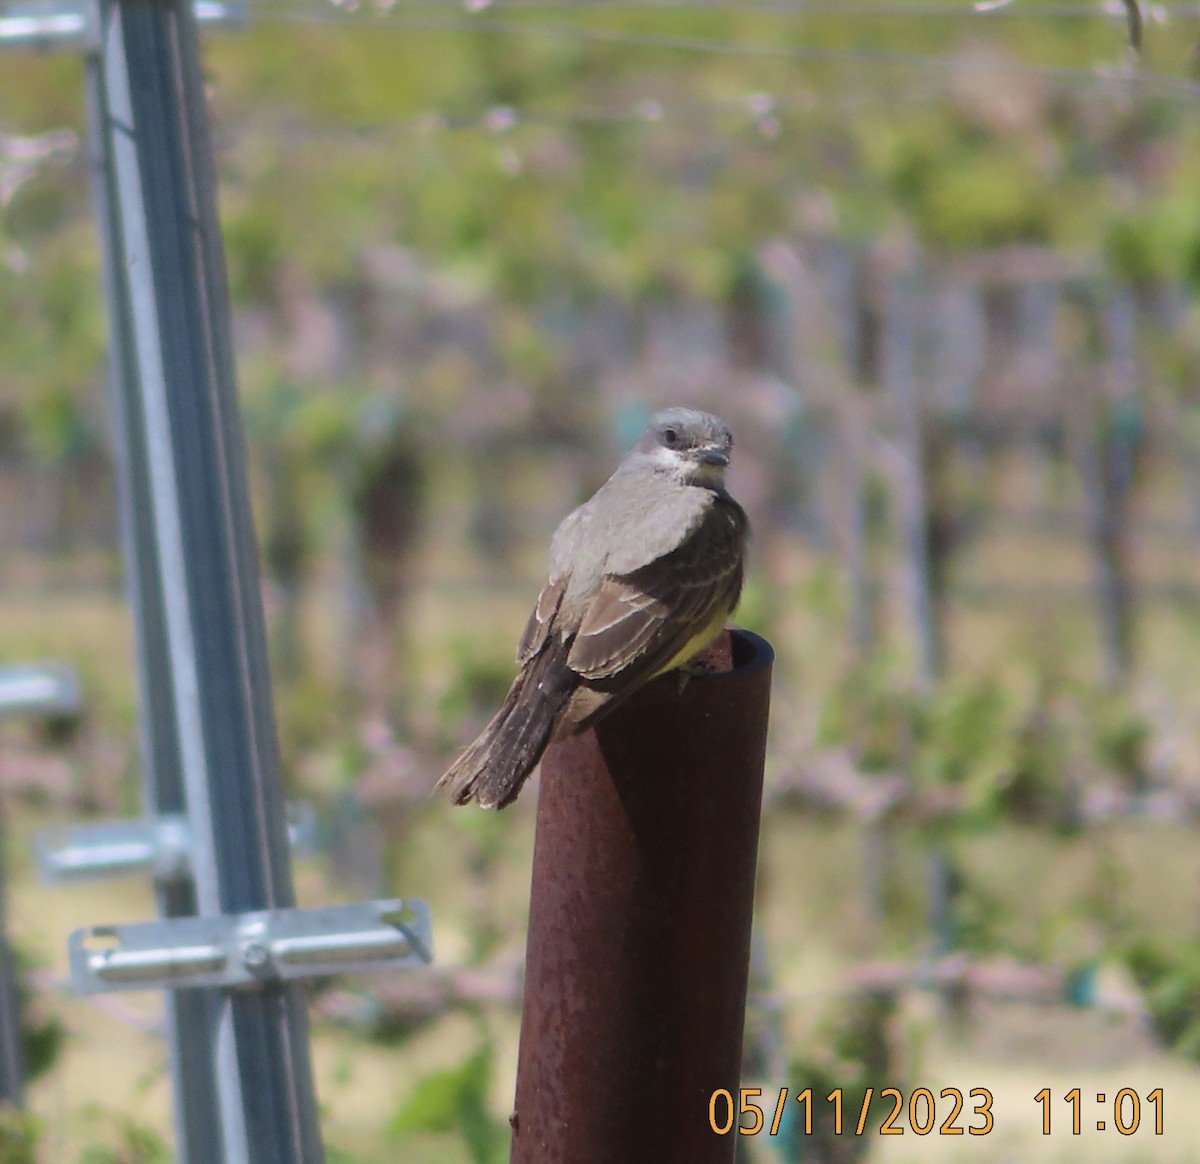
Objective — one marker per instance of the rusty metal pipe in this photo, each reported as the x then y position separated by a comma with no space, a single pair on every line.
639,930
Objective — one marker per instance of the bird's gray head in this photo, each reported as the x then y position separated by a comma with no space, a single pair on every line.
690,447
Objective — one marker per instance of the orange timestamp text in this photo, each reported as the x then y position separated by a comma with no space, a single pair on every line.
949,1113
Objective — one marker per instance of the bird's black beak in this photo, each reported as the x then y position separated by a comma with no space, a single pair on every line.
713,456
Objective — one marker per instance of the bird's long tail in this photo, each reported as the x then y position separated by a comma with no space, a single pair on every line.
492,770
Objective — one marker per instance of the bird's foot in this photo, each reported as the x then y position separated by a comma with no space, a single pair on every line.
694,668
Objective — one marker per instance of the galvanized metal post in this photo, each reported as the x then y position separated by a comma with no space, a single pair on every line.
852,411
244,1083
639,930
189,1026
1110,453
898,381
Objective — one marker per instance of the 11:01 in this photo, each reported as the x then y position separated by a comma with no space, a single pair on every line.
1126,1110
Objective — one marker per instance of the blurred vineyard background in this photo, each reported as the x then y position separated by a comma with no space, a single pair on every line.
936,264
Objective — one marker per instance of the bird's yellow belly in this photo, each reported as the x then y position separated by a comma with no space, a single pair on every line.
699,640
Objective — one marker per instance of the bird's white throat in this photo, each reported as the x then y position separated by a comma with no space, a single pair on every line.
687,470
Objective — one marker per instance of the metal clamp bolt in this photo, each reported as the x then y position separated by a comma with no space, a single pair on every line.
255,956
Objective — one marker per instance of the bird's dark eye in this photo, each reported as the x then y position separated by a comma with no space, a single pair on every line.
670,437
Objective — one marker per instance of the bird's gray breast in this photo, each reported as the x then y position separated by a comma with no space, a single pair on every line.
629,523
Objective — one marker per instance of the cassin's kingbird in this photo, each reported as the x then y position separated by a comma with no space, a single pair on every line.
642,579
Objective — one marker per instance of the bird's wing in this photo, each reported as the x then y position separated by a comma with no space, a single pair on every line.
562,550
648,519
541,618
639,622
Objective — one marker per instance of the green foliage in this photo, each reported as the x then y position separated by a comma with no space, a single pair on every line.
42,1034
962,734
41,1044
1034,787
962,737
480,680
759,605
853,1051
129,1142
1170,984
965,187
1120,737
311,715
20,1134
1153,240
256,246
336,141
870,711
55,425
1008,756
456,1100
994,201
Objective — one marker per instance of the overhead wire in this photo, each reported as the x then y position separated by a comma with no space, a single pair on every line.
1123,75
1112,10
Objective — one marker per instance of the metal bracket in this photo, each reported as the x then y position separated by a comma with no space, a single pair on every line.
251,948
39,689
71,27
161,846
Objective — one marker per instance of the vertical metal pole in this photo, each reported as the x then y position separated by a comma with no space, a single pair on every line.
912,509
853,423
200,595
639,931
1112,449
896,374
188,1021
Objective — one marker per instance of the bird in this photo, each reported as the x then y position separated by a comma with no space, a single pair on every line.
642,578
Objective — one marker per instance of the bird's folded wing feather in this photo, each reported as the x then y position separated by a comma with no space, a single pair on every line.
639,621
544,610
629,523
